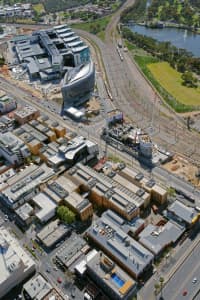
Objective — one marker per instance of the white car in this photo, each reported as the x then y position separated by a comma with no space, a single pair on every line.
194,280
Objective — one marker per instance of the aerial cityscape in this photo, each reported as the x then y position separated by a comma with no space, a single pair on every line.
100,150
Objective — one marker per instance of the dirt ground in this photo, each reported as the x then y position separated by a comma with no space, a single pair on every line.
93,105
184,169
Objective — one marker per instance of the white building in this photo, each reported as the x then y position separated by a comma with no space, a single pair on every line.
15,263
46,207
12,148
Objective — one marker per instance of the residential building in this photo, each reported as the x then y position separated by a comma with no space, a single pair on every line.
157,192
106,192
15,264
110,277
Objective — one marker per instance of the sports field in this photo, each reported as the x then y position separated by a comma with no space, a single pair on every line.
171,80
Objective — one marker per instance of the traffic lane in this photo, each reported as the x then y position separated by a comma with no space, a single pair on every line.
183,277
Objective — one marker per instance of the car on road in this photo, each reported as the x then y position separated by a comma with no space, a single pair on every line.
59,280
73,292
194,280
184,293
6,218
48,270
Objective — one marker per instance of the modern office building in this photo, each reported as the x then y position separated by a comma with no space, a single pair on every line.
117,284
56,53
78,84
124,250
13,149
49,53
76,150
15,263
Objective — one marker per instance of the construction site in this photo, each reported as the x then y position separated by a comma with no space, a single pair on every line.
124,136
183,168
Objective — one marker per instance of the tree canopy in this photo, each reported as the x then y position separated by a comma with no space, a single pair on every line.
65,214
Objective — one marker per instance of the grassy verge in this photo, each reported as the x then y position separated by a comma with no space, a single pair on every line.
171,80
143,62
96,27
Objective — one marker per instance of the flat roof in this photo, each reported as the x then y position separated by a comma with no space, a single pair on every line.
24,211
13,259
25,184
37,287
185,213
53,232
131,254
156,238
45,204
106,270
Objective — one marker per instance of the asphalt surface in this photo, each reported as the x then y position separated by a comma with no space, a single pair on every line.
183,279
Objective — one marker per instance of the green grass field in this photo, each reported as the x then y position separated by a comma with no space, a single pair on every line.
171,80
100,23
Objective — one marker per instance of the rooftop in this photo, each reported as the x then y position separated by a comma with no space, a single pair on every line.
156,238
14,261
123,248
37,287
52,233
183,212
106,270
25,111
45,204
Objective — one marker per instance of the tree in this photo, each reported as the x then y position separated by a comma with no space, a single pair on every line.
65,214
161,279
189,80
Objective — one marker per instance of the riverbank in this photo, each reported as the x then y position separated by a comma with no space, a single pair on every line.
161,25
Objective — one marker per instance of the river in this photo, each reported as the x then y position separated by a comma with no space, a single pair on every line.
180,38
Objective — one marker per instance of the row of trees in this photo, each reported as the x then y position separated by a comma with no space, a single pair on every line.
180,59
181,12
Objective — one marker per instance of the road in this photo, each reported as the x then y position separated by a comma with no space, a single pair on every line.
182,279
178,271
133,94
